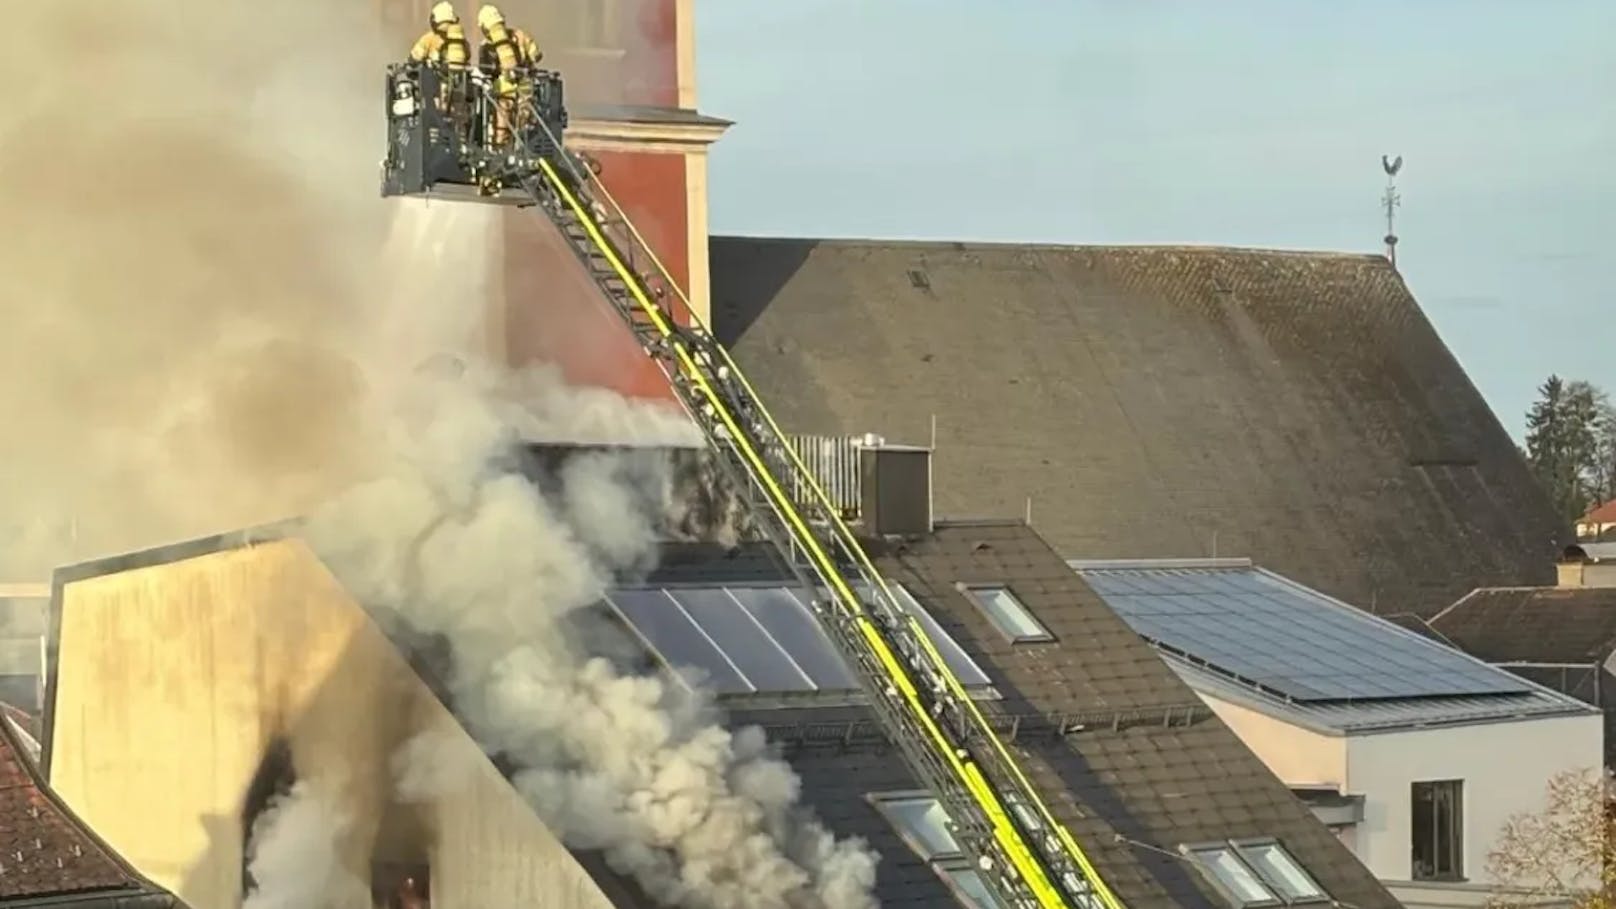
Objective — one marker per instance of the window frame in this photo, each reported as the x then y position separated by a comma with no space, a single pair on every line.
945,865
1244,846
883,801
971,590
1456,848
1193,851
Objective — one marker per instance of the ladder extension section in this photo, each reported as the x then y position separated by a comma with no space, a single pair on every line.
1019,848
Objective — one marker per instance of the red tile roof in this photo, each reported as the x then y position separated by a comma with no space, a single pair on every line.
1601,514
45,850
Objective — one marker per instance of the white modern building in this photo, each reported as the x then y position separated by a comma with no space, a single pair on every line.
1414,753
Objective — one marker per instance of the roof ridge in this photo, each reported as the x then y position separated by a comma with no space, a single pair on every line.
966,245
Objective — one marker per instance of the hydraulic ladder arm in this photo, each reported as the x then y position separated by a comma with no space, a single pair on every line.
1025,855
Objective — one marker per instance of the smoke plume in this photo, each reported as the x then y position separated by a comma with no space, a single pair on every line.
447,542
211,321
191,233
294,854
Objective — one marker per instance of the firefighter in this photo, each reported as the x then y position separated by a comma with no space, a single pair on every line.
444,41
508,55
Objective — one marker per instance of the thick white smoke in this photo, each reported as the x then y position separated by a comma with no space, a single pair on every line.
211,320
637,767
294,853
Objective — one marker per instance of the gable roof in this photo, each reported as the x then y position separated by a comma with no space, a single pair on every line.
47,852
1533,624
1601,514
1151,767
1296,408
1242,633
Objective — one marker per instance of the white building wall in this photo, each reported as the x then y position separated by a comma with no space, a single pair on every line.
1505,767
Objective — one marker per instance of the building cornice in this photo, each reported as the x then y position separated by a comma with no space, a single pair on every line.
645,135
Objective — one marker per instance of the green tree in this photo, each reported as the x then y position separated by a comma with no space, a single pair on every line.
1603,475
1563,443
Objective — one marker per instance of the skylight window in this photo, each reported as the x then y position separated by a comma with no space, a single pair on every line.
1281,872
1007,613
1234,876
972,890
1256,873
923,824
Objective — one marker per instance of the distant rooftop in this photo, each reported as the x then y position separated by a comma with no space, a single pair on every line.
1237,631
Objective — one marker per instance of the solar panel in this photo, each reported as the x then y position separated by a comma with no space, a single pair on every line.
675,638
789,622
756,654
760,639
1287,638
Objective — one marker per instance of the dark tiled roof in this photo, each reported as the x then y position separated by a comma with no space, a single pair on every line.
1533,624
60,857
1155,766
1295,408
1419,626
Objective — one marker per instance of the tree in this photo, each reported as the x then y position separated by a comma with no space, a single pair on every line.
1603,476
1564,435
1565,853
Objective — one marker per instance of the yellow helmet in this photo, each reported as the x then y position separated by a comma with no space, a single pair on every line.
489,16
443,13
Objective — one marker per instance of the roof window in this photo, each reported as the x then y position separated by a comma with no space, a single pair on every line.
1007,613
1255,873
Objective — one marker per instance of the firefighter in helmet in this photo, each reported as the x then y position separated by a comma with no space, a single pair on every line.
508,55
445,39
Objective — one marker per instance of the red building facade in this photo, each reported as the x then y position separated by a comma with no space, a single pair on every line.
629,67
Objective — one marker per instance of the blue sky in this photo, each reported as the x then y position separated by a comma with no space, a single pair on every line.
1252,123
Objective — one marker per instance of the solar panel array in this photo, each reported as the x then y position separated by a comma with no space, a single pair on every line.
1287,638
757,640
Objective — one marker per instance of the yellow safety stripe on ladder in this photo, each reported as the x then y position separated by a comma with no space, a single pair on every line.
1102,890
1031,872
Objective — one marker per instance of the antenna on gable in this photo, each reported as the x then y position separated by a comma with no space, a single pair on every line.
1392,201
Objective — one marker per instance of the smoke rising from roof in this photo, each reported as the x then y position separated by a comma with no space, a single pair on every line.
294,854
636,766
191,224
211,321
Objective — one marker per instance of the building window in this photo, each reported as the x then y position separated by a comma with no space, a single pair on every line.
597,25
400,885
968,885
923,824
1438,828
1007,613
1231,875
1280,871
1255,873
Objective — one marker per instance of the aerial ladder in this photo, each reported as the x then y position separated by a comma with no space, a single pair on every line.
440,124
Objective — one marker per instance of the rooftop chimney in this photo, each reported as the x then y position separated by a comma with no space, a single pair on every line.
895,490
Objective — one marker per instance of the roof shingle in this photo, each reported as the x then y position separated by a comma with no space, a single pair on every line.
1294,408
1152,766
1533,624
45,850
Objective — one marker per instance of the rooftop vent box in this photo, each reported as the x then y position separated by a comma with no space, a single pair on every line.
895,490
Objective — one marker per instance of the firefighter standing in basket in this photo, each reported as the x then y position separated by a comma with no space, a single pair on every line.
508,55
444,41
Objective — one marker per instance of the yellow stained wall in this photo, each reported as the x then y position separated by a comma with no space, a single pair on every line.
172,681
